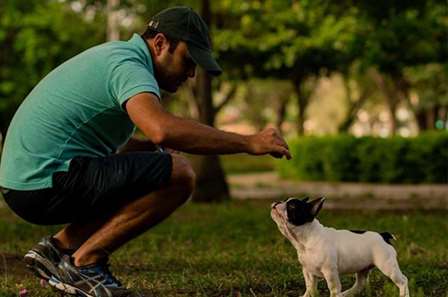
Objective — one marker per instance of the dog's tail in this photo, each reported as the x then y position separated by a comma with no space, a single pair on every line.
388,237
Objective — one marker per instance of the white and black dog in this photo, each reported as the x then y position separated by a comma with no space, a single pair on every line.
327,252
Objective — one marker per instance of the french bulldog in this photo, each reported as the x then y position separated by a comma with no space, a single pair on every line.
327,253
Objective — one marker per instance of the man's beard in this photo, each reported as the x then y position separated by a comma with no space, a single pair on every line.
167,82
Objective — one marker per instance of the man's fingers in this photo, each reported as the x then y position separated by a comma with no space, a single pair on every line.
280,141
288,155
282,151
274,144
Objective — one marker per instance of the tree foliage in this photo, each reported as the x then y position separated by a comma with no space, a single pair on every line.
400,35
37,36
284,40
296,41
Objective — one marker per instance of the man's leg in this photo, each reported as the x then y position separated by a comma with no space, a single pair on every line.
96,240
74,235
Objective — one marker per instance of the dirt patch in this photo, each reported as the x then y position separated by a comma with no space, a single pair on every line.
11,265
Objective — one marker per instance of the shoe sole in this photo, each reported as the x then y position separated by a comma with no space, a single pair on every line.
39,265
62,290
66,288
44,269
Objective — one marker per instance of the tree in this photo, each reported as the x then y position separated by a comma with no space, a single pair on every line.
358,89
210,178
401,34
297,41
430,105
37,36
268,39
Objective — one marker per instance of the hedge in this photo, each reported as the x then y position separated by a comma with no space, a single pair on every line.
421,159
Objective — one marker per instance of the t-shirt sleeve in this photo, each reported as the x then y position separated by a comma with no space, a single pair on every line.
129,79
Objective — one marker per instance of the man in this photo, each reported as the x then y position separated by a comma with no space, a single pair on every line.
60,166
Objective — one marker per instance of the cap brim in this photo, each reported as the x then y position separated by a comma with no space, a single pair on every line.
204,59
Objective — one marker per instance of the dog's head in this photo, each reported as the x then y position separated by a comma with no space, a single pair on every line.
295,212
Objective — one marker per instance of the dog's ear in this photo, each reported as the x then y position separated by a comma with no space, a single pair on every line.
316,205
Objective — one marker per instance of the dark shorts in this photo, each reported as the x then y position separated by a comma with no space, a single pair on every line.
92,188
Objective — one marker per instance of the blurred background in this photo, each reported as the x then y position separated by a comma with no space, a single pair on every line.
359,88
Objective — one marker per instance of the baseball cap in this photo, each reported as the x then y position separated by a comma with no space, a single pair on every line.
182,23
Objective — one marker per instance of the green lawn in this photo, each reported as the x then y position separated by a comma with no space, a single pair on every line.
234,249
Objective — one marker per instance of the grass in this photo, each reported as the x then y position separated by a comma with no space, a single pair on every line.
234,249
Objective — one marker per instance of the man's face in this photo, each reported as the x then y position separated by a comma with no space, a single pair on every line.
173,68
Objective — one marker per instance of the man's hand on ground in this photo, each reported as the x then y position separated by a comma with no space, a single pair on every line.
269,141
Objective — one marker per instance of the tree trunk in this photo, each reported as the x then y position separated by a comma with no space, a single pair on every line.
392,99
392,107
427,118
211,184
421,119
433,114
281,112
301,116
302,102
444,116
353,106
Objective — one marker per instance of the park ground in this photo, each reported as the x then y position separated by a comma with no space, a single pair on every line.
341,195
234,248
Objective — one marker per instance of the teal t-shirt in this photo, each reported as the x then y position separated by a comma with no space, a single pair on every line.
76,110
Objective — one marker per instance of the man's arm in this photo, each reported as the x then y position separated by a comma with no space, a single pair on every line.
163,128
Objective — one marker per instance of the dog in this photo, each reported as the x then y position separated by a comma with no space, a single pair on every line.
327,253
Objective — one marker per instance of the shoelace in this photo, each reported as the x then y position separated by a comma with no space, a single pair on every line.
102,270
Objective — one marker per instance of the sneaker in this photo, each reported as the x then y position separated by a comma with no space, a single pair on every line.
88,281
44,258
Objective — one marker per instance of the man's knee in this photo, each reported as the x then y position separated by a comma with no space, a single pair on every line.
182,174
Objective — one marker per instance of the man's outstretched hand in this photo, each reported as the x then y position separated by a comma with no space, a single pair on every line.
269,141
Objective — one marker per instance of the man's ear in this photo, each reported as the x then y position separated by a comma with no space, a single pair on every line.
159,43
316,206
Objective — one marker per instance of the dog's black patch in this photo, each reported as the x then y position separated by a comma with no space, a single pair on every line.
299,212
387,237
358,231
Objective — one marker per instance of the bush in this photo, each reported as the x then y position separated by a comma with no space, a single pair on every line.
422,159
242,163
